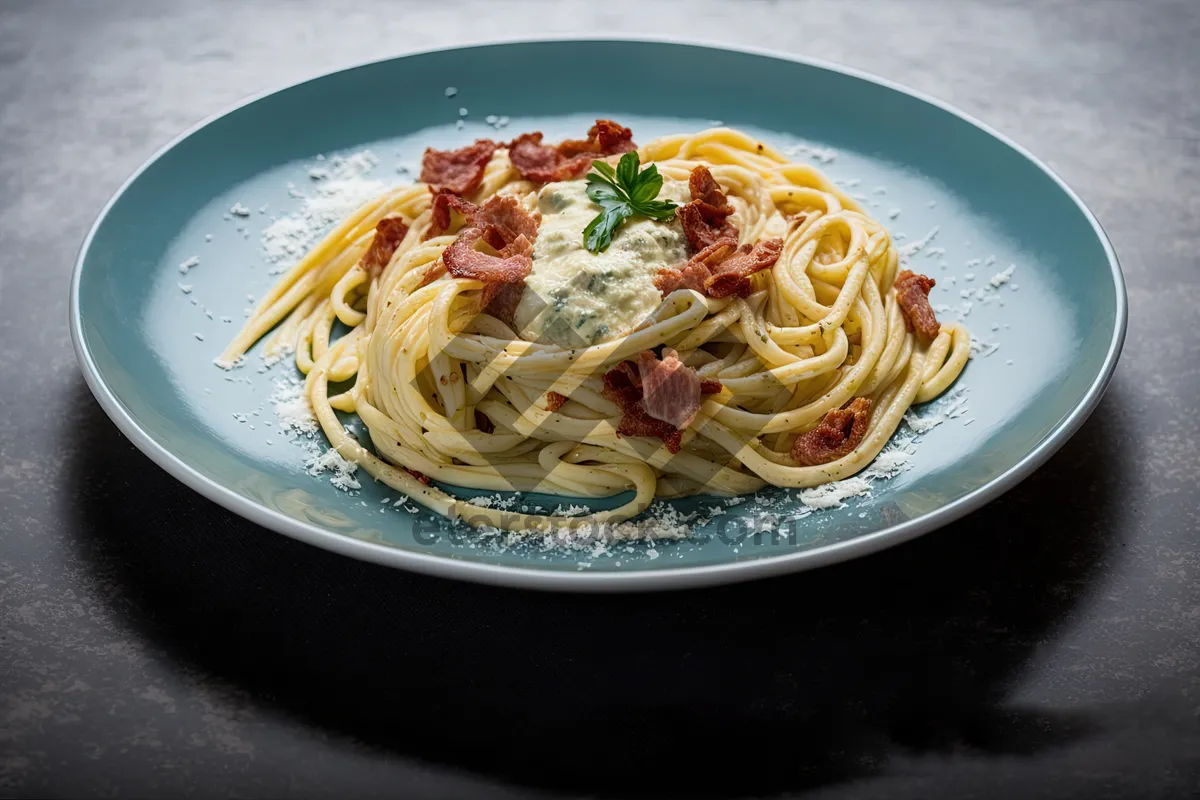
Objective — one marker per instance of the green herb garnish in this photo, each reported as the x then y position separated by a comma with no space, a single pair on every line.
623,193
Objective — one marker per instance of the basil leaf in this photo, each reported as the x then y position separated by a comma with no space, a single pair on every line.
657,209
600,191
623,193
627,171
597,236
648,187
605,170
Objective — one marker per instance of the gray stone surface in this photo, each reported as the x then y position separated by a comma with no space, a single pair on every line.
1046,646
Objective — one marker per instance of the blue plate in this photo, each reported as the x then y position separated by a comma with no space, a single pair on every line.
146,347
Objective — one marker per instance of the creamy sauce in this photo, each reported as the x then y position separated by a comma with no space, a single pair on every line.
574,298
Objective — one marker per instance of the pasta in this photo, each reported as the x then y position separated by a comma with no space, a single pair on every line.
472,399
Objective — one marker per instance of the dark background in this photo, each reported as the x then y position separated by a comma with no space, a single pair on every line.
1046,646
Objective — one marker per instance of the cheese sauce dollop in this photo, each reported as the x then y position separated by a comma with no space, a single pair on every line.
575,298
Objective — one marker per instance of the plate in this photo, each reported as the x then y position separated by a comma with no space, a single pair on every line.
146,346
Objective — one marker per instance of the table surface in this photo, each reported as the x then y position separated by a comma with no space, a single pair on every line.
1048,645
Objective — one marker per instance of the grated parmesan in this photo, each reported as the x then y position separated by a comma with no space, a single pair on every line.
292,406
912,248
1003,277
339,193
983,349
821,155
342,471
832,495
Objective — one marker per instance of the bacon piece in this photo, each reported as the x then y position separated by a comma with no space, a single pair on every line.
464,261
705,189
654,386
712,256
421,476
502,301
554,401
625,374
389,233
538,162
501,218
504,221
458,171
517,247
702,227
498,272
912,293
704,219
604,138
543,164
612,137
837,434
690,276
670,390
443,202
636,422
622,385
732,276
696,271
721,269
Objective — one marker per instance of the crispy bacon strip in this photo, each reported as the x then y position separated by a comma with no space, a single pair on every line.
604,138
705,189
912,293
499,272
702,227
502,301
389,233
619,387
696,272
554,401
704,219
670,390
543,164
538,162
732,276
837,434
689,276
654,386
504,222
627,374
501,218
443,202
458,171
721,269
464,261
712,256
